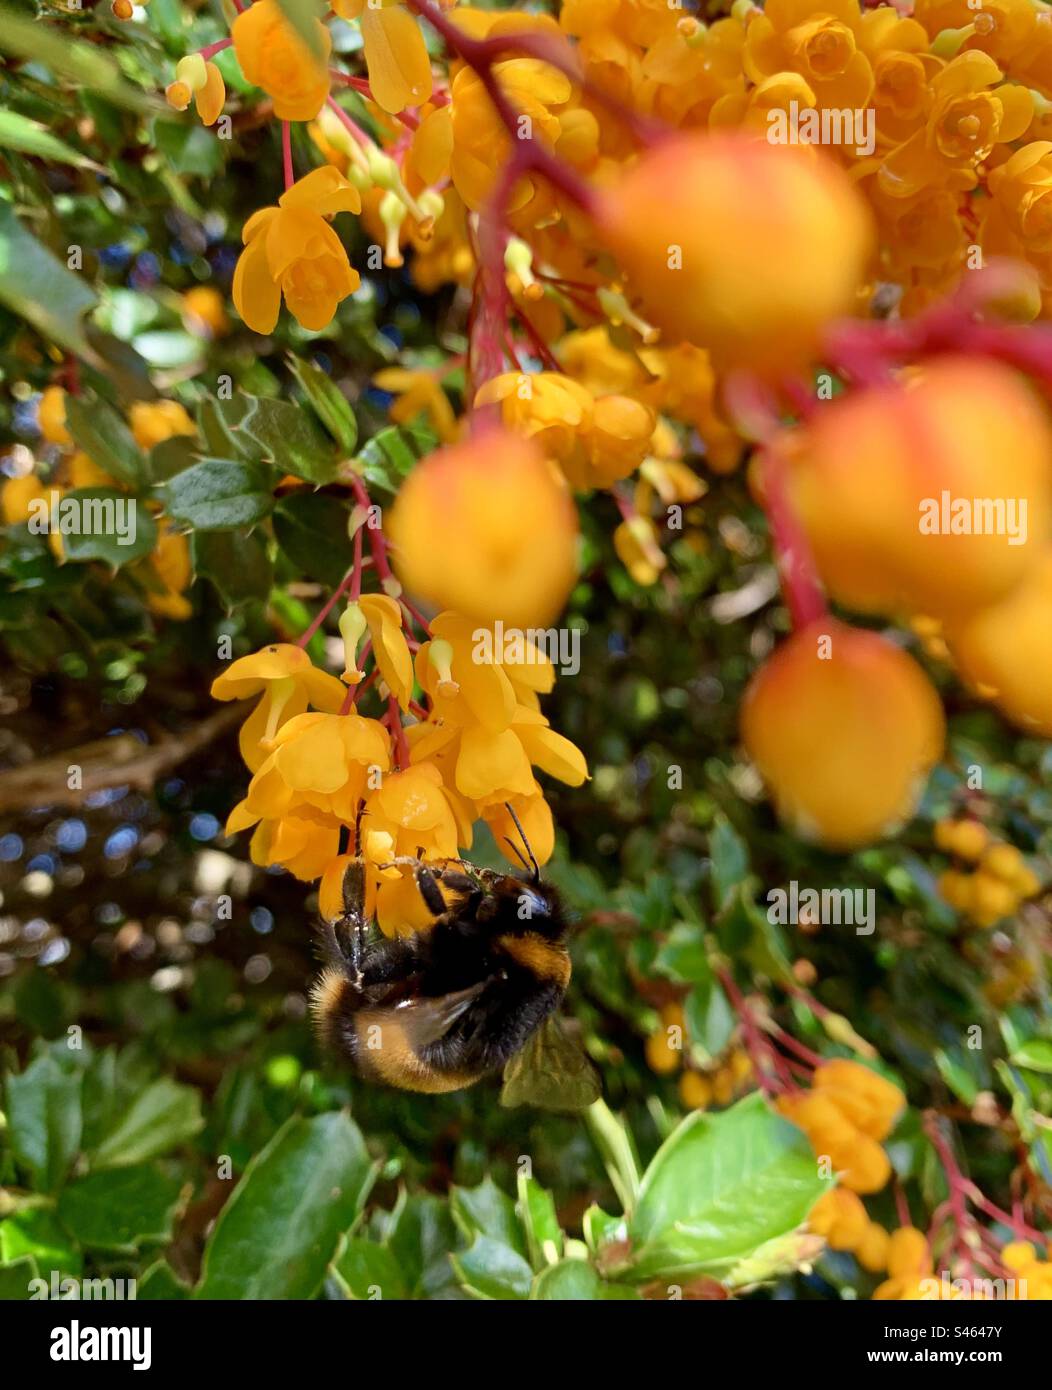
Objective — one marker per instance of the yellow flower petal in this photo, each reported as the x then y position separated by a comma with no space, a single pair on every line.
389,645
396,56
257,296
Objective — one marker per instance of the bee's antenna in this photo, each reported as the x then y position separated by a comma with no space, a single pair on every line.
517,852
358,828
522,836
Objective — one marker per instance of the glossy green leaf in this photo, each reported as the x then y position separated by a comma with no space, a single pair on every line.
44,1120
16,1280
369,1271
120,1209
218,495
162,1116
38,287
489,1269
1035,1054
278,1231
311,528
332,406
291,438
117,529
103,435
486,1210
18,132
719,1189
236,562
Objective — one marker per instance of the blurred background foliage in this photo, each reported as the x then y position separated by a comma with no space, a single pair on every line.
193,1074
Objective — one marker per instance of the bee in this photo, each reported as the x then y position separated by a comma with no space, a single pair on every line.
440,1009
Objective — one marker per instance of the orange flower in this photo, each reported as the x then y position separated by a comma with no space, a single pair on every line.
700,257
851,790
487,527
273,56
292,250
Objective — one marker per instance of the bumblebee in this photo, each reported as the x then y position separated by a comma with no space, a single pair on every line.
440,1009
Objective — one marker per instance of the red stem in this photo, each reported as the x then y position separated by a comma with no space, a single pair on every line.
796,567
286,154
210,50
355,130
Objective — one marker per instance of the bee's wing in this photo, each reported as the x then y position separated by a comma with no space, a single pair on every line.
426,1020
551,1072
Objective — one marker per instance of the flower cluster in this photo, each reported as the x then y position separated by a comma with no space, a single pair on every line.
846,1114
460,739
718,1083
999,882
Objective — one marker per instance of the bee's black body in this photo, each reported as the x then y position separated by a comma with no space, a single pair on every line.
437,1010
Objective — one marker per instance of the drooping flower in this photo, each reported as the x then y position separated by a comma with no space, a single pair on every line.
292,250
273,56
288,681
395,53
487,527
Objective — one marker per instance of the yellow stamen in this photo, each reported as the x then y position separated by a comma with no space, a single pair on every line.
279,693
440,655
618,310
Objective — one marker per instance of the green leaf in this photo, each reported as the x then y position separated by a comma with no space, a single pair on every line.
277,1233
575,1281
189,147
159,1283
719,1189
730,859
116,528
35,1231
570,1281
36,286
218,495
390,456
120,1208
536,1209
957,1077
369,1271
1035,1054
311,528
292,440
489,1269
18,132
172,456
44,1120
421,1236
15,1280
486,1210
683,956
710,1019
160,1117
105,438
88,66
236,563
333,407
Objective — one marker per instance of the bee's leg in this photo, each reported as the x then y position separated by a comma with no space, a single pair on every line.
427,883
349,930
